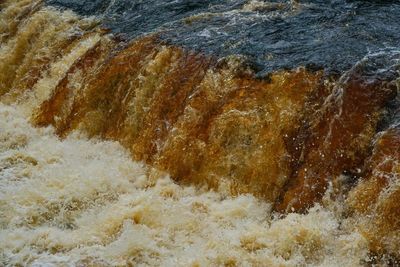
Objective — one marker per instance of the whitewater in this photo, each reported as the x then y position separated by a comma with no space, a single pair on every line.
80,202
90,126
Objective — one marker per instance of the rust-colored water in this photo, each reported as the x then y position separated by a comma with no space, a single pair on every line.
143,153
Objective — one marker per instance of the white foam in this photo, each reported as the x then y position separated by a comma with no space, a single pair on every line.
79,202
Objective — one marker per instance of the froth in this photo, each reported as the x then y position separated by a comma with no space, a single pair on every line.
85,202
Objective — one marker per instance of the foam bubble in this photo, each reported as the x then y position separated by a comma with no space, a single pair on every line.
85,202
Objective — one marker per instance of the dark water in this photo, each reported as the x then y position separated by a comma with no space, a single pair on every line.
277,34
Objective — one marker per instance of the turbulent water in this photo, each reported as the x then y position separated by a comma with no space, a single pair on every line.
158,144
86,203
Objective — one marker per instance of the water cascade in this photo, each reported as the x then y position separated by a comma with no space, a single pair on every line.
125,147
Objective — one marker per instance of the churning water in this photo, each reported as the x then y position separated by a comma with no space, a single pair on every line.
186,133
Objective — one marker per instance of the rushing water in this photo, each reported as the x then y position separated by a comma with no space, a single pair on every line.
146,133
85,203
332,34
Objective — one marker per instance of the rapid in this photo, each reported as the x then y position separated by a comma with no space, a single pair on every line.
131,140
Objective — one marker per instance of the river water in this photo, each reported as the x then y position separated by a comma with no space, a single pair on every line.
199,133
331,34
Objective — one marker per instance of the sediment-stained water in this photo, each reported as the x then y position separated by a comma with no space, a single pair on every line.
159,148
86,203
